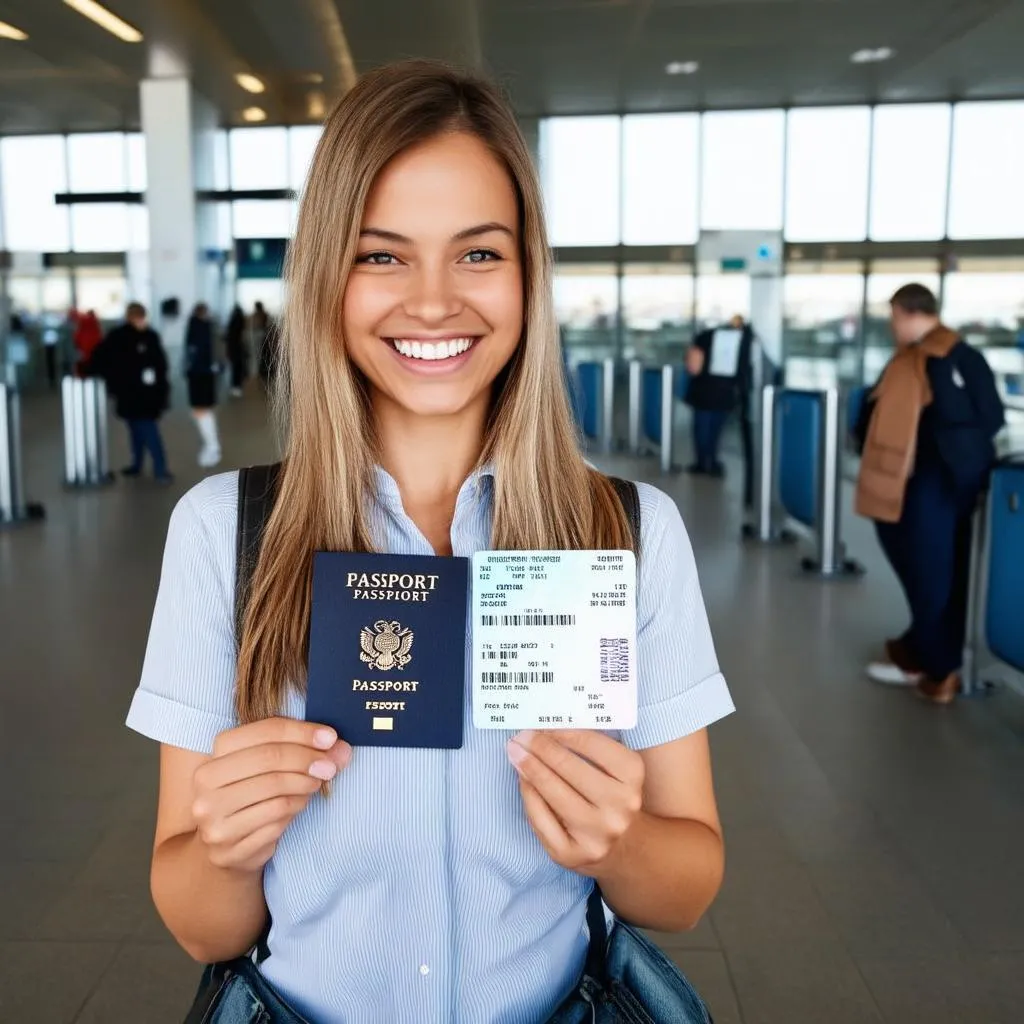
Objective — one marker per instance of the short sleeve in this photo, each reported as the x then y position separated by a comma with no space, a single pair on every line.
186,695
681,689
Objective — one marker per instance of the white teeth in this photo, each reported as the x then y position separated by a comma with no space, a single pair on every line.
431,350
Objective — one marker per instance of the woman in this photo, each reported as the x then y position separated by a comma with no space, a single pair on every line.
238,356
201,371
428,885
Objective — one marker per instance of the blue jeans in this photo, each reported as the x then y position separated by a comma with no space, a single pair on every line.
707,432
145,437
246,998
929,549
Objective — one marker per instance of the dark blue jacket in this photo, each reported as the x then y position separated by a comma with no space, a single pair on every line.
956,434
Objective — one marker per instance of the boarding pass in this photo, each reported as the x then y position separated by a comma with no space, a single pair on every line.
554,640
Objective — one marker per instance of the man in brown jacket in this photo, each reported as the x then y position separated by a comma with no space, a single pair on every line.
927,433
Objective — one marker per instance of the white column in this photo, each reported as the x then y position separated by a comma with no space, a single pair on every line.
178,126
766,314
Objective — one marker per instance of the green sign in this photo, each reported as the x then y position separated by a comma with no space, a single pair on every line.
733,264
260,257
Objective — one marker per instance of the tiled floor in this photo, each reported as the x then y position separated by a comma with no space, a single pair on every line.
874,868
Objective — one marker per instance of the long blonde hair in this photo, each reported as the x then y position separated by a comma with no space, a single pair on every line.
545,496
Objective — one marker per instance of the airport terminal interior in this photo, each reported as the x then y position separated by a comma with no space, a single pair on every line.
789,162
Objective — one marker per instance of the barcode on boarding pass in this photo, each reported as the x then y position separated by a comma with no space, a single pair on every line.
527,620
614,660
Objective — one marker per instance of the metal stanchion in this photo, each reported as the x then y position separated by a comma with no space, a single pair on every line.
668,419
765,528
86,463
607,405
13,507
831,561
636,372
969,674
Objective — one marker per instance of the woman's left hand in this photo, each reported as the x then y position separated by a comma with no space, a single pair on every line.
582,791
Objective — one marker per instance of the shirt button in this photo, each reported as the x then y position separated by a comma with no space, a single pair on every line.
424,970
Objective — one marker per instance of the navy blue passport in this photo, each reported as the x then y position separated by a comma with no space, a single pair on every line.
387,648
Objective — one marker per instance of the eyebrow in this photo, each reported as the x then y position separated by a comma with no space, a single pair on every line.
461,236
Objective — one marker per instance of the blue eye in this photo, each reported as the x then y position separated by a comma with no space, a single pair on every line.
377,259
481,256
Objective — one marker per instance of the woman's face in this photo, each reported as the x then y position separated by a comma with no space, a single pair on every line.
434,304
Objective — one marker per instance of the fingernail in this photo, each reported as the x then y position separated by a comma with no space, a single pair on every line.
325,770
516,754
324,739
343,754
525,738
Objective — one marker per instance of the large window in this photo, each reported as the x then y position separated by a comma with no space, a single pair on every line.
885,278
302,143
721,296
657,311
580,173
986,196
587,307
259,160
660,155
910,172
827,174
741,170
32,171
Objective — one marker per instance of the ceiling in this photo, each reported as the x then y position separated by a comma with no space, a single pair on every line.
555,56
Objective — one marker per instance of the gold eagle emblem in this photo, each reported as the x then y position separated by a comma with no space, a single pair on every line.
386,646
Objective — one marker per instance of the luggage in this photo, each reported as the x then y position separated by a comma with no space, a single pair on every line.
1004,599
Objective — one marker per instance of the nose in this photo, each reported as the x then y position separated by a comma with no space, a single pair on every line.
433,296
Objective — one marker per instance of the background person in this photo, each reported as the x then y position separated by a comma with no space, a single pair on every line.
927,431
201,373
237,352
719,366
132,361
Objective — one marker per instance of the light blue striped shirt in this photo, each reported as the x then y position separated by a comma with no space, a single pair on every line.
417,891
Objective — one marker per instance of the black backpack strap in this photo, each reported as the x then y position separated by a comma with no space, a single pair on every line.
630,498
257,492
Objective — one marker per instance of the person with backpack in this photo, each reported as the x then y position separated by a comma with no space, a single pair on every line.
132,361
425,417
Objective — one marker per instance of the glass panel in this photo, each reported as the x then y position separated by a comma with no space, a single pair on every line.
136,143
587,306
249,291
99,227
910,171
221,160
741,170
103,290
660,178
720,297
657,311
262,218
580,175
884,279
984,300
821,314
259,157
986,198
32,171
97,163
138,228
827,174
302,142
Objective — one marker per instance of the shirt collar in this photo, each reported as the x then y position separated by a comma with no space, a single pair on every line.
389,496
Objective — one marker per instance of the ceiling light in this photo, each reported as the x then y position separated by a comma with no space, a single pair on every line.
250,83
682,67
316,107
253,114
106,19
872,55
10,32
313,78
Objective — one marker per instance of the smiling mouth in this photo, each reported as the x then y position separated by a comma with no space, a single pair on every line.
432,351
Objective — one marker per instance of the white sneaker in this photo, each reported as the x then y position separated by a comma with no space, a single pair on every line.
888,674
209,457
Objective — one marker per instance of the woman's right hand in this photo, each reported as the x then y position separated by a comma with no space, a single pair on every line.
259,777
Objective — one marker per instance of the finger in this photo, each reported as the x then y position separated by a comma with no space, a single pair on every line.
237,828
252,852
591,782
545,824
237,796
572,809
613,757
266,759
275,730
